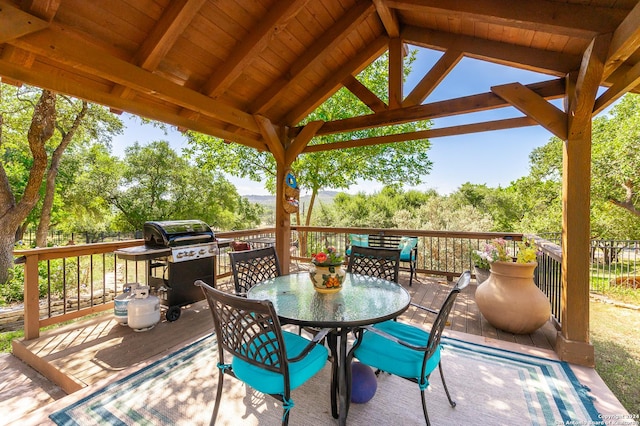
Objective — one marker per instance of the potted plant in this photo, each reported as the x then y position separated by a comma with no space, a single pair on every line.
480,265
509,299
326,270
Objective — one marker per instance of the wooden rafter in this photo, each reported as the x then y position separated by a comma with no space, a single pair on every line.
16,23
173,22
624,42
322,47
556,17
301,141
334,82
75,54
534,106
509,123
623,84
270,135
503,53
273,22
363,93
474,103
388,17
431,80
396,73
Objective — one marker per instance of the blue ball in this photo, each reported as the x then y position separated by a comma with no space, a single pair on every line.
363,383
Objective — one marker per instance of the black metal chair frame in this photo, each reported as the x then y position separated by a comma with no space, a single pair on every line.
250,267
375,262
241,323
435,336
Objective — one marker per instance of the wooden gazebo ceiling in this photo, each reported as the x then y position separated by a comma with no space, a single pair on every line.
251,71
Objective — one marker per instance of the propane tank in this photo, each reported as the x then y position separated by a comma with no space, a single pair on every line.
121,302
143,311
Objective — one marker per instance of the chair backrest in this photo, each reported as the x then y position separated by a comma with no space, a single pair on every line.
248,329
443,314
250,267
375,262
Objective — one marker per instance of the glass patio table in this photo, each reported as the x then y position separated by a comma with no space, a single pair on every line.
363,300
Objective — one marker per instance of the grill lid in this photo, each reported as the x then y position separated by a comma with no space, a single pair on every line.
174,233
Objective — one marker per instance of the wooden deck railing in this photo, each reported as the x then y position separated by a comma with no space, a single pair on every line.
63,283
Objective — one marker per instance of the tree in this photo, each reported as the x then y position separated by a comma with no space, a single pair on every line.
14,208
399,163
157,184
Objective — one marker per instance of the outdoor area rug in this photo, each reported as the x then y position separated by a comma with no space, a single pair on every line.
490,386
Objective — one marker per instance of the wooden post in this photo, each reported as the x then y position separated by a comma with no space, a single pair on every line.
31,299
283,224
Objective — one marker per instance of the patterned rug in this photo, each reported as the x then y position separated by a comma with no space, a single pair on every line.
491,387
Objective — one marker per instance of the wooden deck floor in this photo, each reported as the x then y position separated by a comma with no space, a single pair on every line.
93,350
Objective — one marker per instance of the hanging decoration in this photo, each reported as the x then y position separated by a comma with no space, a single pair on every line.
291,193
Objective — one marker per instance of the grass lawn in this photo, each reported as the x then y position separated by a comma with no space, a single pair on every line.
615,335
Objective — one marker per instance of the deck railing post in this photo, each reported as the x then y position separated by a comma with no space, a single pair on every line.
31,298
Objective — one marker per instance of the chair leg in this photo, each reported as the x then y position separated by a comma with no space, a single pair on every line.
424,408
451,402
216,407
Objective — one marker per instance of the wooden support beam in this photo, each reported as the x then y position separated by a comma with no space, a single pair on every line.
534,106
283,222
301,141
542,15
322,48
396,73
555,63
363,93
274,22
625,41
468,104
573,341
74,53
431,80
489,126
330,86
624,83
271,138
17,23
388,17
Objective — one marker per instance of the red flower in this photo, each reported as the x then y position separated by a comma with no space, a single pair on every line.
321,257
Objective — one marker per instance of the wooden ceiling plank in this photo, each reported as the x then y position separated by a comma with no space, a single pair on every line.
582,101
43,9
301,141
267,28
388,17
57,46
432,79
534,106
396,73
541,15
322,47
363,93
474,103
354,66
624,83
522,57
625,41
17,23
71,87
270,135
508,123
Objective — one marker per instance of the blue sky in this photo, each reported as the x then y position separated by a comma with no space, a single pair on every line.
492,158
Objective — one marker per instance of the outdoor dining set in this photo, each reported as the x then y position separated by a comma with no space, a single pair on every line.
261,329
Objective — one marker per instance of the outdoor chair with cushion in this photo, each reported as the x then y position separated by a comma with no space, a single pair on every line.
408,351
375,262
250,267
270,360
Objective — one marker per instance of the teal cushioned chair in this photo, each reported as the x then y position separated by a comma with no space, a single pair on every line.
359,240
409,253
408,351
264,356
